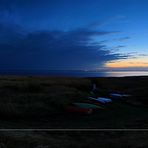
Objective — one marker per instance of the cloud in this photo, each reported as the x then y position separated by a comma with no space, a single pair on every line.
55,49
110,20
124,39
7,3
143,55
121,39
120,46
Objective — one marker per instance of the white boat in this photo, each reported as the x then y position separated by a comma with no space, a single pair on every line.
117,95
104,100
101,99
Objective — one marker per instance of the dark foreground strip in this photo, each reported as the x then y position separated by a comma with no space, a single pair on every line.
42,130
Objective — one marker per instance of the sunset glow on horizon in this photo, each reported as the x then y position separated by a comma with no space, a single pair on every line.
129,63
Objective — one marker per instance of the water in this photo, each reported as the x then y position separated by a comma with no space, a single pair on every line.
102,74
76,73
126,73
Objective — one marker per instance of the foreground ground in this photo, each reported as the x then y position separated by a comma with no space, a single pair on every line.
74,139
40,102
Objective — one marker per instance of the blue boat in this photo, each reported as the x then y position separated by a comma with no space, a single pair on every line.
87,105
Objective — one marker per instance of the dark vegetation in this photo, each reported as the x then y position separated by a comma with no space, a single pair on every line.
29,96
40,102
75,139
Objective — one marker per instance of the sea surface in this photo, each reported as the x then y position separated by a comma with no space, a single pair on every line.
65,73
100,74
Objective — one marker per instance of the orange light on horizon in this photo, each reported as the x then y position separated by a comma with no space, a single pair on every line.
128,63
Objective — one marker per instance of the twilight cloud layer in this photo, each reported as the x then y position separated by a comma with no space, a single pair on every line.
49,34
53,49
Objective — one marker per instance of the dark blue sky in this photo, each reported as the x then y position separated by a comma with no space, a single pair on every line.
73,34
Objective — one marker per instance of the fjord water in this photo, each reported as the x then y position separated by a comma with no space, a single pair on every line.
74,73
97,73
126,73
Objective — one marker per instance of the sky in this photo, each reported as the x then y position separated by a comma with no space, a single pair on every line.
73,34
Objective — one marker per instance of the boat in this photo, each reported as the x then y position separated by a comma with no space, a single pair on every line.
104,100
87,105
118,95
93,102
101,99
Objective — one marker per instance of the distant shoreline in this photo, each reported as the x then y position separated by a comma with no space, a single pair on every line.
75,73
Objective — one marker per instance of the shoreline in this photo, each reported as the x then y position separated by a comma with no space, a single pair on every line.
79,74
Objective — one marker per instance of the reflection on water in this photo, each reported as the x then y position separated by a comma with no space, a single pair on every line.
126,73
98,74
101,74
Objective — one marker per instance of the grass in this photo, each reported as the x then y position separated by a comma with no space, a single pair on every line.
39,102
41,95
73,139
28,102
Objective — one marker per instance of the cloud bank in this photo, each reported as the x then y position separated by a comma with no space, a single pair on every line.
53,50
